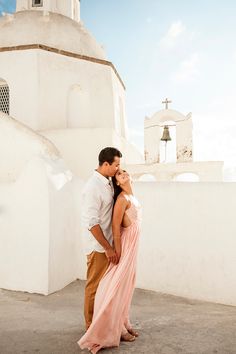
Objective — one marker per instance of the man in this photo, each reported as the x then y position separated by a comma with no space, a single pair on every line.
96,221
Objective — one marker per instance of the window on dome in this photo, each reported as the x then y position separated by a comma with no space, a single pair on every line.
4,97
37,3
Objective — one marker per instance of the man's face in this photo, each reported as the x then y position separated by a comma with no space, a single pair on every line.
114,167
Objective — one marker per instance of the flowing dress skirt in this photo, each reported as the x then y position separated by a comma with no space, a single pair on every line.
113,296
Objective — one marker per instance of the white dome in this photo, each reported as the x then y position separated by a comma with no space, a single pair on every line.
50,29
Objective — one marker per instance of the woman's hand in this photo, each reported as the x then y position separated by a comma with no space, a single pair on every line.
118,252
111,255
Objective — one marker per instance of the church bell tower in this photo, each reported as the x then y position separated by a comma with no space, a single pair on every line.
69,8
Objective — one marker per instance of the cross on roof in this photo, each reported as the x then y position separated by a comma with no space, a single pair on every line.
166,102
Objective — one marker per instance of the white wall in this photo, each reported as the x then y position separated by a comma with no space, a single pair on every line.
50,29
80,148
119,106
40,85
20,71
38,231
207,171
58,76
39,212
65,214
24,232
151,142
187,246
18,144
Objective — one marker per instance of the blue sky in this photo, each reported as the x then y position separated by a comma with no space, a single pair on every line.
184,50
7,5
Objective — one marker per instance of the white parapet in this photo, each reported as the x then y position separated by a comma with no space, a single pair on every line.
187,244
206,171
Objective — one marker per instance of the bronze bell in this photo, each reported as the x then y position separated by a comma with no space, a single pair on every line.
166,134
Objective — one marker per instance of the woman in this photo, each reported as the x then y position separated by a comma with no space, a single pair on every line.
114,294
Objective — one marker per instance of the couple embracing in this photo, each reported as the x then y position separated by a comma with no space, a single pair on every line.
111,222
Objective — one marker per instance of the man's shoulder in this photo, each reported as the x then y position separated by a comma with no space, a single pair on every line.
91,183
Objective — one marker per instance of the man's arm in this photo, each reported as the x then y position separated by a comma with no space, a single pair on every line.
109,251
92,205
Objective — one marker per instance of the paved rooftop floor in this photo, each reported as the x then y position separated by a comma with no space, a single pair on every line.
31,323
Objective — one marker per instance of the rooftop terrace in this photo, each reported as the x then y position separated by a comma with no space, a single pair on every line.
31,323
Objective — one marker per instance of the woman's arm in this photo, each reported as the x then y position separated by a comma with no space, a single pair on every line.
118,214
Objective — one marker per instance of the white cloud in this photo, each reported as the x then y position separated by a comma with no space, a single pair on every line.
213,138
224,108
188,70
175,30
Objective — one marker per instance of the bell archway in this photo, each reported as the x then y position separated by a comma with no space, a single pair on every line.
167,142
153,132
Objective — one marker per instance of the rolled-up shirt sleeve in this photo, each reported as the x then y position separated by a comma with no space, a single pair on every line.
91,206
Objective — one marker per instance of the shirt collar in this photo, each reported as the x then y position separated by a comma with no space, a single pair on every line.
102,178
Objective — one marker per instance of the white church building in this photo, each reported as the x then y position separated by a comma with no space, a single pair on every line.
61,102
60,83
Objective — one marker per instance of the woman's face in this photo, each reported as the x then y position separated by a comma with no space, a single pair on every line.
122,177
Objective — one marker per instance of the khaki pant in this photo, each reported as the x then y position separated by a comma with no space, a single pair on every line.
97,264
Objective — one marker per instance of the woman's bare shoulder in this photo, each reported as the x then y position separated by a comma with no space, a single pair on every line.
123,199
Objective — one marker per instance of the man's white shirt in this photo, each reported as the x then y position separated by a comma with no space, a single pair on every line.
97,205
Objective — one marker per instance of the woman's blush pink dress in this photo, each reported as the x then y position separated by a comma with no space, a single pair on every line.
115,290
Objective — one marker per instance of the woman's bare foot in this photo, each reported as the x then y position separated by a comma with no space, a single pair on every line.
133,332
127,337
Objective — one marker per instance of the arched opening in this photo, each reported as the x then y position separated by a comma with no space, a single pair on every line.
147,177
168,149
186,177
4,97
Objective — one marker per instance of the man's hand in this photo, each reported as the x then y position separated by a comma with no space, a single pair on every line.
111,255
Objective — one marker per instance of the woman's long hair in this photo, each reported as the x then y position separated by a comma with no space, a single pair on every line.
117,189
